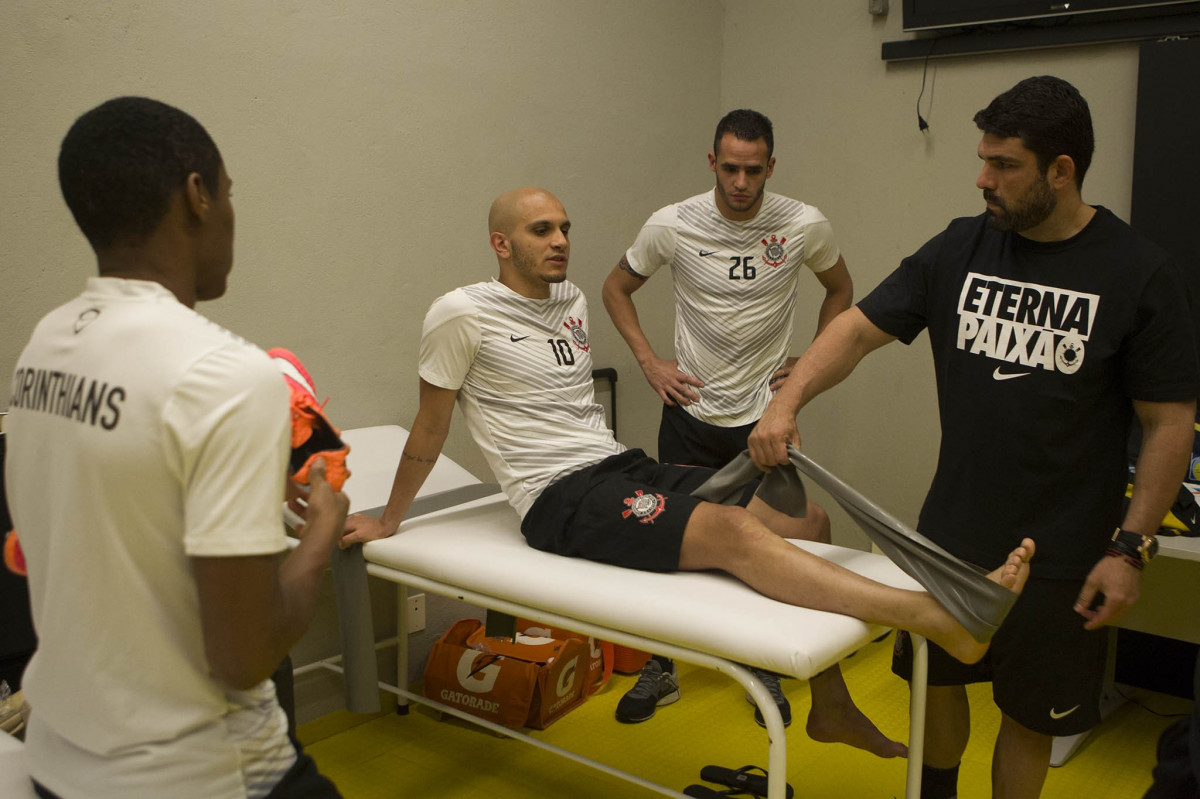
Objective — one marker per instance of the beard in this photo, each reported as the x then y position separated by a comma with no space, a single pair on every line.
1027,211
526,263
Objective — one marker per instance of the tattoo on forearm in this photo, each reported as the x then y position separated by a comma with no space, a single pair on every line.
410,457
625,267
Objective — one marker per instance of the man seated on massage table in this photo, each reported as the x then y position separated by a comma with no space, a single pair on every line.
514,352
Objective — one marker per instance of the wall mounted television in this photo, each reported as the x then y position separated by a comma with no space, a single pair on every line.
931,14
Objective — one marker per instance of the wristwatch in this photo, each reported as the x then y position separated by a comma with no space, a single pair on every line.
1136,545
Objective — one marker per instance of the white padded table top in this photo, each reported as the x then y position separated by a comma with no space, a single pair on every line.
479,544
374,454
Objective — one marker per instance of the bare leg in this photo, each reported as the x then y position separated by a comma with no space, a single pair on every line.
814,526
732,539
833,717
1019,761
947,725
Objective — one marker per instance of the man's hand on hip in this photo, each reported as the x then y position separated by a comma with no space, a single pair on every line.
672,385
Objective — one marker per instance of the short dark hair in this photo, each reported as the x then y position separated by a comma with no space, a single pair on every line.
120,163
746,125
1050,117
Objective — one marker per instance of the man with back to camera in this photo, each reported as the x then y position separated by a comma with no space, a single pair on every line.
736,254
515,354
148,449
1052,325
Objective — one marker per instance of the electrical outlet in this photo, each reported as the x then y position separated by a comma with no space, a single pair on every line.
416,613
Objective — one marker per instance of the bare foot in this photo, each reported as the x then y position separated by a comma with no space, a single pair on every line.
1012,575
835,718
1015,571
854,729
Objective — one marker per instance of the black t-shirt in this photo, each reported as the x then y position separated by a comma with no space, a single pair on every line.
1038,349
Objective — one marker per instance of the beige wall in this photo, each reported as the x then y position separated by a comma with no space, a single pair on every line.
366,140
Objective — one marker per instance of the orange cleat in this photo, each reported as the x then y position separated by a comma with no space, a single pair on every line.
313,435
14,558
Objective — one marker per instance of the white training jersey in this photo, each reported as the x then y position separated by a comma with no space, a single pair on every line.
735,293
523,371
141,435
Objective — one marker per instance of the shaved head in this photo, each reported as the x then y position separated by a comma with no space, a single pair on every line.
509,208
528,232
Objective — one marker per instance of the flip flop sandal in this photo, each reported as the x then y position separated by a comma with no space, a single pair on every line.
743,779
704,792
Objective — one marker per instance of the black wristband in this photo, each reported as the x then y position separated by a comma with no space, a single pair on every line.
1135,545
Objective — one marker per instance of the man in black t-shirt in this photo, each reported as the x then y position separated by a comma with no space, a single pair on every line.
1052,324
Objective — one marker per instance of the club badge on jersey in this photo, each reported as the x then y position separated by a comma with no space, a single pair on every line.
579,336
774,255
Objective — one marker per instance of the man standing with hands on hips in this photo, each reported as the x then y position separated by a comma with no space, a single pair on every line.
736,255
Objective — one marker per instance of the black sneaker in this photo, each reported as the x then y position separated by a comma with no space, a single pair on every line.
654,687
770,681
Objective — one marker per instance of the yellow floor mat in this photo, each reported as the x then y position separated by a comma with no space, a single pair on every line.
419,755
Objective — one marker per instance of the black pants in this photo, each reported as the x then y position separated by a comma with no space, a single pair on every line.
303,781
1177,773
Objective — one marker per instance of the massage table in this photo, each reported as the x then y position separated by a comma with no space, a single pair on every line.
474,551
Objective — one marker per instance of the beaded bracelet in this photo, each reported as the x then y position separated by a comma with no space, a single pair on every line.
1114,550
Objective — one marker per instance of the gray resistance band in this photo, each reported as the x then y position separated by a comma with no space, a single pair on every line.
977,603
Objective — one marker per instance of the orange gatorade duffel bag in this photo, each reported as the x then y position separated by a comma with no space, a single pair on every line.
512,683
600,657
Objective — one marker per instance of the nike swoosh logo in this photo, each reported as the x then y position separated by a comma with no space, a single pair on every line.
704,254
1054,715
998,375
518,338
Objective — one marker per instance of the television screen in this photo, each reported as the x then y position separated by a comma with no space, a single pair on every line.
926,14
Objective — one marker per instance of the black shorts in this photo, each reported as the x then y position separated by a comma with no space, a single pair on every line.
684,439
1047,672
628,510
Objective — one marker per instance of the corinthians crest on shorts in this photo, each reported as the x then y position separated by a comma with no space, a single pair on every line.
774,254
645,507
578,335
